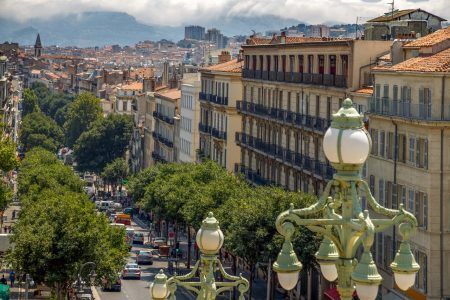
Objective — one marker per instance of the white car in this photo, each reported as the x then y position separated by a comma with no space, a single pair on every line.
131,270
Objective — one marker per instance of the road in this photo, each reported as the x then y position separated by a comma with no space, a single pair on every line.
139,289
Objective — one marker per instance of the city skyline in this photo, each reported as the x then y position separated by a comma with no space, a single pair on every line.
179,13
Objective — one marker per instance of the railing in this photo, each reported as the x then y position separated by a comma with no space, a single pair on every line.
200,155
252,176
162,139
213,98
296,77
407,109
158,158
284,116
164,118
204,128
218,134
298,160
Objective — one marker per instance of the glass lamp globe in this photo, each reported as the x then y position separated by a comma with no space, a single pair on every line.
367,291
404,280
329,270
288,280
209,237
347,141
159,289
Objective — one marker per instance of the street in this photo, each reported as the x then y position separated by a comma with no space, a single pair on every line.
139,289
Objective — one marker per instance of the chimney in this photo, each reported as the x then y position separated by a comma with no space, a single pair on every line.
283,37
148,84
224,57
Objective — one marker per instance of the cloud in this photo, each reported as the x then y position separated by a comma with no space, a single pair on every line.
179,12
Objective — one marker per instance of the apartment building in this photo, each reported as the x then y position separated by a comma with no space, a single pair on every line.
126,96
166,130
409,123
221,87
291,87
189,117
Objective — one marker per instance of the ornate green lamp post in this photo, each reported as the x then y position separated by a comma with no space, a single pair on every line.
209,241
345,226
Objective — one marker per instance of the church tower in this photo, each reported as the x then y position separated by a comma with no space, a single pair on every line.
38,46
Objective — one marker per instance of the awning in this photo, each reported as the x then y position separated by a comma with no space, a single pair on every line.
332,294
391,296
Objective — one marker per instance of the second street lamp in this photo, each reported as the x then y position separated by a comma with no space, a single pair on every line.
345,226
210,240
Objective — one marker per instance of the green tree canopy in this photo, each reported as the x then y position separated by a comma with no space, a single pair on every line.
30,102
80,115
57,234
115,171
39,130
106,140
8,158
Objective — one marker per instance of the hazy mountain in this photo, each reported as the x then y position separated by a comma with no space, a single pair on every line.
105,28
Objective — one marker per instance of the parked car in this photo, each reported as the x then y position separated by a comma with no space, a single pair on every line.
138,238
114,285
158,241
144,257
131,270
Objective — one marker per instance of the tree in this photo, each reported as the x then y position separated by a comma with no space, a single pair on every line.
57,234
8,162
106,140
81,113
29,103
39,130
115,172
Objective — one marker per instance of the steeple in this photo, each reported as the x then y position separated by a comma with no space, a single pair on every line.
38,46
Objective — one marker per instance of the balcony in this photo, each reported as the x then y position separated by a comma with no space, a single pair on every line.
252,176
163,118
162,139
297,160
285,117
213,98
201,155
332,80
406,109
218,134
158,158
204,128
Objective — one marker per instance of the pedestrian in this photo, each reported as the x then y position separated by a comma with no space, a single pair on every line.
12,278
5,229
3,280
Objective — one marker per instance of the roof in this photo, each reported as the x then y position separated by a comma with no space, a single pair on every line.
366,90
38,42
386,57
232,66
254,41
133,86
439,62
142,72
173,94
387,17
430,39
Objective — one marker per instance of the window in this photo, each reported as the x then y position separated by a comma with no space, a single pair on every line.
124,105
374,135
388,198
372,184
410,207
390,145
412,145
382,143
381,192
401,148
425,211
421,277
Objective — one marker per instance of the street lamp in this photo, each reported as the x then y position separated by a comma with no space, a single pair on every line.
345,226
210,240
80,274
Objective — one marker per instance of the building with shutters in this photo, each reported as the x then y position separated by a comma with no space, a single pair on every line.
291,86
409,121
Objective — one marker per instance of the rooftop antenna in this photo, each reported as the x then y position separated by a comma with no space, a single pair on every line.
392,4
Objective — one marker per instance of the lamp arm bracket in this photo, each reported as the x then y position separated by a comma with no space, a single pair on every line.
374,203
239,281
325,232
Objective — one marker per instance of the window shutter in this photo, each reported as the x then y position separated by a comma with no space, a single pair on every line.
395,195
417,208
425,210
425,154
417,152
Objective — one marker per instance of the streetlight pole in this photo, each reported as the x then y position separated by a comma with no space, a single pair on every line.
80,273
345,226
210,241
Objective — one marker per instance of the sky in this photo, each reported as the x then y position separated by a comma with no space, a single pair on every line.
183,12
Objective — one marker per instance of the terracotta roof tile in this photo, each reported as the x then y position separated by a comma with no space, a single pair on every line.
290,40
430,39
389,17
232,66
142,72
439,62
170,94
133,86
386,57
365,90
